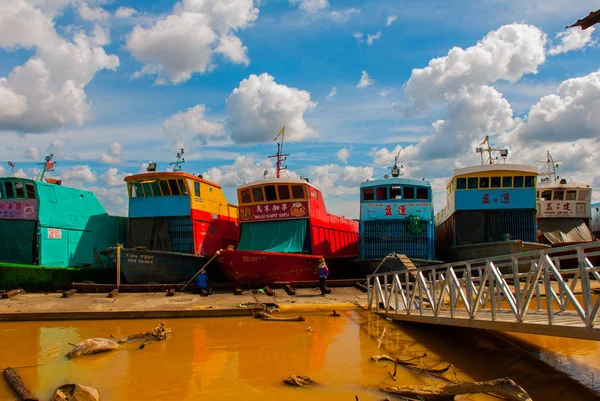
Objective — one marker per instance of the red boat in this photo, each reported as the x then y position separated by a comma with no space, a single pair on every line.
284,230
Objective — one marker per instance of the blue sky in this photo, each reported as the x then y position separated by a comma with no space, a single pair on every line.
109,85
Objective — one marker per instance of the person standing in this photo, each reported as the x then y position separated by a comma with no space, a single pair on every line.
323,272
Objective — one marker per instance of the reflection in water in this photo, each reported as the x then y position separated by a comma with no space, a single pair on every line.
245,358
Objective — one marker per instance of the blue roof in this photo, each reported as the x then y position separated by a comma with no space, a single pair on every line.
395,181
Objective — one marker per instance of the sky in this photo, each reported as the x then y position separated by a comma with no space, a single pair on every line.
107,86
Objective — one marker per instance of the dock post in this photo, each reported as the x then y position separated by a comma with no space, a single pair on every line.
118,265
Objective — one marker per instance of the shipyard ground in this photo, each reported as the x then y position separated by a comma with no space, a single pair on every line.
152,305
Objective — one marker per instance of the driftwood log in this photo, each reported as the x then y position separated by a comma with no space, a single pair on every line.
299,381
408,363
75,392
93,346
157,334
16,384
504,387
266,316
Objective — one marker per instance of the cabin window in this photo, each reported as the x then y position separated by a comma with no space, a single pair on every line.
519,181
245,196
30,191
368,194
461,183
530,181
559,195
164,186
484,182
257,194
395,192
8,188
422,193
571,195
496,181
131,190
139,190
297,192
270,193
197,190
472,182
182,187
155,188
546,195
20,190
506,182
147,189
584,195
284,192
174,187
1,191
409,192
381,193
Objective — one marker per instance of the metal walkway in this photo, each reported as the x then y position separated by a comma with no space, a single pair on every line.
532,292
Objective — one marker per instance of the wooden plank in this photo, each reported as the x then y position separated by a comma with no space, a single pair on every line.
171,292
290,290
361,287
67,294
10,294
269,291
113,293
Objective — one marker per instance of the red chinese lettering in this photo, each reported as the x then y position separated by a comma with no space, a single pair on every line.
402,210
505,198
567,206
486,199
549,207
388,210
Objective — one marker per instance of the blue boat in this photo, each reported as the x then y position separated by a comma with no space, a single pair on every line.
490,209
396,217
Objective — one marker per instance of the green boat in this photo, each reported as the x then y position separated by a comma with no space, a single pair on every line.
50,234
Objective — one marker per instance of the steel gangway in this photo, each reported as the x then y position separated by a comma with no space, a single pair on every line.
553,292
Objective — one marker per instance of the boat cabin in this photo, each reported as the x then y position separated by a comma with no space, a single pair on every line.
179,212
396,215
289,215
489,203
47,224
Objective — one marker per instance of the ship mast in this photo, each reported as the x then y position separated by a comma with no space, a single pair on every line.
281,157
179,161
503,152
550,166
47,165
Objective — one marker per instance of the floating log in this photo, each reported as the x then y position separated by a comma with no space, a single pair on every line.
504,387
75,392
299,381
16,384
157,334
407,363
266,316
93,346
67,294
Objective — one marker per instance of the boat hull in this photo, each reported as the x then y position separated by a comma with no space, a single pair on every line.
141,266
268,267
491,249
45,278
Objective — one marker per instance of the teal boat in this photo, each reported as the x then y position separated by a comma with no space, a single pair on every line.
50,234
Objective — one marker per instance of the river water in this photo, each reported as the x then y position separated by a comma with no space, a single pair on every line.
246,358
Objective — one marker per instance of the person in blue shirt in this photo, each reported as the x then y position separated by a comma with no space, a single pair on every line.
202,284
323,272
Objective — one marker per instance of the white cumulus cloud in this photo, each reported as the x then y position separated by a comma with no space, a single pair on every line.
77,176
572,39
343,154
332,93
32,153
113,155
193,120
365,80
186,41
113,178
368,38
48,91
311,5
390,20
125,12
92,13
260,107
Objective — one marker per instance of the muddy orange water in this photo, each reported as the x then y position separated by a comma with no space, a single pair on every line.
245,358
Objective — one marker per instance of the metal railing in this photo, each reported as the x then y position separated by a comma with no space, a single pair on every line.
498,289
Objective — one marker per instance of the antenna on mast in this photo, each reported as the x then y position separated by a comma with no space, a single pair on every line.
12,166
396,171
281,157
179,161
47,165
490,160
550,165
